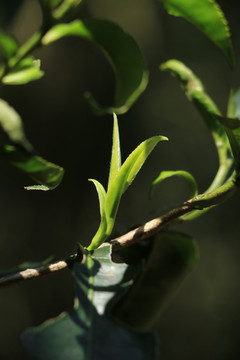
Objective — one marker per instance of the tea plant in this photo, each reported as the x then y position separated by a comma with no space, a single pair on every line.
122,284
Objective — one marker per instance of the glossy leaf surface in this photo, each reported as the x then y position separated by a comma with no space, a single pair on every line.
40,170
123,54
88,332
207,16
179,173
25,71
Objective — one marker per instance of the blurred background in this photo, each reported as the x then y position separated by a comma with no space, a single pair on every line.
203,321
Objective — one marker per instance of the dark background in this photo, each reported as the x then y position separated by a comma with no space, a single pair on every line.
203,321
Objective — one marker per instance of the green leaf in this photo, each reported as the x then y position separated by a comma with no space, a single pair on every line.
196,93
115,163
40,170
8,45
126,175
12,124
207,16
25,71
180,173
172,258
123,53
232,127
100,235
88,331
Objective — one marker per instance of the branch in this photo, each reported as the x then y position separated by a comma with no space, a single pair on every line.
142,232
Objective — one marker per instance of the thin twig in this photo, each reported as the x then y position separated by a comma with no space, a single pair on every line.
142,232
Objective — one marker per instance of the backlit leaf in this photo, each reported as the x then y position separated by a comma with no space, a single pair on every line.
196,93
88,331
100,235
123,53
126,175
115,163
207,16
179,173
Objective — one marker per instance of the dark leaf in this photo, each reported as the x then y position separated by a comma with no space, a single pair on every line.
88,331
121,50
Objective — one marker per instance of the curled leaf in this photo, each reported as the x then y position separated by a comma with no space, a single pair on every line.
179,173
207,16
123,53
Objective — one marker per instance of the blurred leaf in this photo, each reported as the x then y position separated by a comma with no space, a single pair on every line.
207,16
88,331
172,258
57,9
8,45
25,71
180,173
100,235
115,163
40,170
12,124
123,54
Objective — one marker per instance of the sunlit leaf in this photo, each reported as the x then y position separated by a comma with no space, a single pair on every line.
179,173
115,163
126,175
123,54
8,45
100,235
172,258
40,170
88,331
196,93
12,124
207,16
25,71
